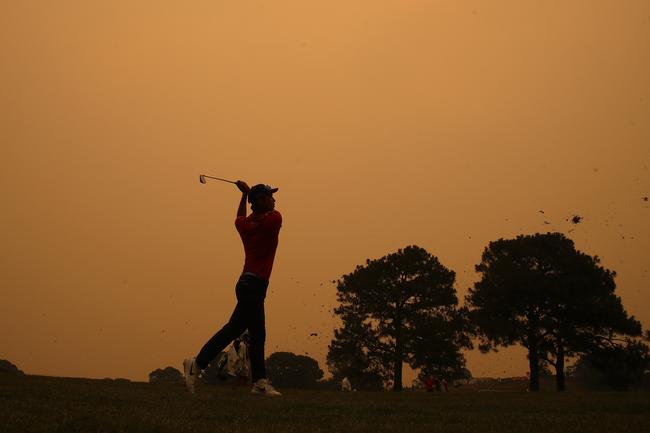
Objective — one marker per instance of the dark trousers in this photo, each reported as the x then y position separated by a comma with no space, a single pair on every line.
248,314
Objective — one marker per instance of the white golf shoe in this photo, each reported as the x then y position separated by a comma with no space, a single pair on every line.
263,387
192,372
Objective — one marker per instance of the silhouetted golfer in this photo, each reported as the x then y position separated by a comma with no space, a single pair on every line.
259,233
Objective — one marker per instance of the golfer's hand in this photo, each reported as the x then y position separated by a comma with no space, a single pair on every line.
243,186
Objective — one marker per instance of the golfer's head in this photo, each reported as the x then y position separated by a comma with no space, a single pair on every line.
261,198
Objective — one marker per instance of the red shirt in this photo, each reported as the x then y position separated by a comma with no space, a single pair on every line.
259,233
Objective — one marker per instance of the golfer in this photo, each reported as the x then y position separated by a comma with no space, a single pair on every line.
259,233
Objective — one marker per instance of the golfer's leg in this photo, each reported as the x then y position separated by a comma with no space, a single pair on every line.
231,330
257,331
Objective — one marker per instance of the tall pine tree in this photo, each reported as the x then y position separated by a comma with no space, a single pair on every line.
400,308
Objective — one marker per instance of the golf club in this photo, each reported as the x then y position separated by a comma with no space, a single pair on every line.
203,176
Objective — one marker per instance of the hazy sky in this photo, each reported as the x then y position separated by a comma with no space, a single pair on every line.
444,124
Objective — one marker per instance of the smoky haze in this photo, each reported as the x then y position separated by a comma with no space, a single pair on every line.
444,124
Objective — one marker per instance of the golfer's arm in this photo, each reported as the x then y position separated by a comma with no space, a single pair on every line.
241,211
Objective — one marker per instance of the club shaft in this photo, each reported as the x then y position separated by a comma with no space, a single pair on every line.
218,178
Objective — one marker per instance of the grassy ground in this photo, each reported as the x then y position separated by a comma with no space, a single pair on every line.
46,404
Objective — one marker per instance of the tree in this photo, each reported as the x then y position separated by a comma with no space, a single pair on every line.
400,308
8,367
166,375
288,370
541,292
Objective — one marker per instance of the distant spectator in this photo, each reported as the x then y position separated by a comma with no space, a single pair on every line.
428,384
244,373
445,385
238,363
346,385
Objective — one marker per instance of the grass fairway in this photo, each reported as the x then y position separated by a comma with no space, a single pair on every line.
47,404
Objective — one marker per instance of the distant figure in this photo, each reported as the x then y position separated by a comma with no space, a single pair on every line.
428,384
232,359
238,362
259,233
346,385
436,383
445,385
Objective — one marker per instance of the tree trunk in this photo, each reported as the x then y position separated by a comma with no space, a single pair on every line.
397,378
533,363
559,368
397,381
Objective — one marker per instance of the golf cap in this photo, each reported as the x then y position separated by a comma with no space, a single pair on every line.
258,190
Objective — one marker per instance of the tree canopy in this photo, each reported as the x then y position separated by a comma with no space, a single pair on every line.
288,370
166,375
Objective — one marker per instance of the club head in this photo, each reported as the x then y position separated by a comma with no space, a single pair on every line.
201,178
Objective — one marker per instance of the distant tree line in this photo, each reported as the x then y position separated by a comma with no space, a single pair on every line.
537,291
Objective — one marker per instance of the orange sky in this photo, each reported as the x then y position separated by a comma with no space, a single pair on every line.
444,124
